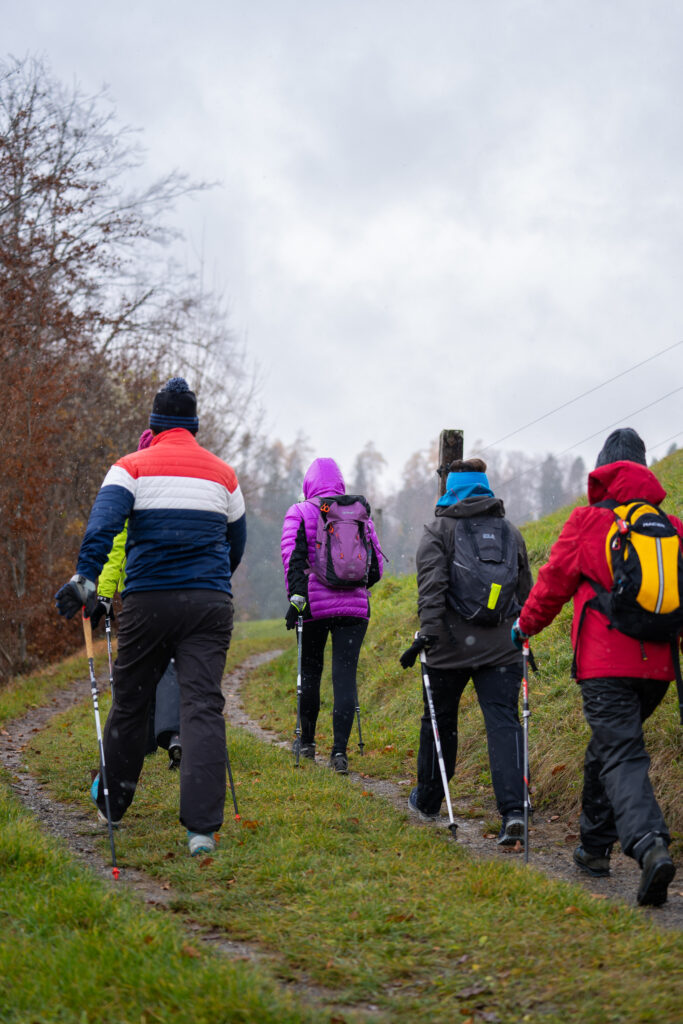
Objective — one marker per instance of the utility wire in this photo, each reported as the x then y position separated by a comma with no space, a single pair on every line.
598,433
583,395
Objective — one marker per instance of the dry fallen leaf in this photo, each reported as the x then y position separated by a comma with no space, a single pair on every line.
557,768
188,950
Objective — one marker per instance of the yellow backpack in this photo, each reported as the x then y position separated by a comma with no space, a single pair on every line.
644,556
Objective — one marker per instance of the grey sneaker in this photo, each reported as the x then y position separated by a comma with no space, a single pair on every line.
304,749
199,843
595,864
512,829
657,871
340,763
101,817
412,806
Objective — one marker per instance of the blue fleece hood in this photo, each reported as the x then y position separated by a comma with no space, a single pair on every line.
465,485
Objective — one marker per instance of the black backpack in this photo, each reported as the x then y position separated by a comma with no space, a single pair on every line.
484,570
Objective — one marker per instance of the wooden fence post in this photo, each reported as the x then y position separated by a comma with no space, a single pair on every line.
450,448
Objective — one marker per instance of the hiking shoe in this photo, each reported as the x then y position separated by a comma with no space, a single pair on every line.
340,763
412,806
595,864
512,829
657,871
199,843
175,752
100,816
304,749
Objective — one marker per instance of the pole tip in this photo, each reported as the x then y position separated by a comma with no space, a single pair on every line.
115,872
238,817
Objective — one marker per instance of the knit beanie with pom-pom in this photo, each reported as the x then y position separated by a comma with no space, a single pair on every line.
174,406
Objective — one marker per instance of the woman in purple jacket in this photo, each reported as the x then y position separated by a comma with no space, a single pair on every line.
343,613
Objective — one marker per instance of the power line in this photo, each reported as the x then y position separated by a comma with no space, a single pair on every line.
583,395
660,443
598,433
620,420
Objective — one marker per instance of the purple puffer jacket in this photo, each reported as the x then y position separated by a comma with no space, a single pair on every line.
323,479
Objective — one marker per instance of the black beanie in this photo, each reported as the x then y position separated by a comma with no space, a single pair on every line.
174,406
622,445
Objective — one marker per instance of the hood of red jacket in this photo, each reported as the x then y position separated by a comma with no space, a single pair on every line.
624,481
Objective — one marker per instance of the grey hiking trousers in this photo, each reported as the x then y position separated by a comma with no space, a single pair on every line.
194,627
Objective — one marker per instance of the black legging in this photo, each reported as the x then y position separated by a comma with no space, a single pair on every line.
347,638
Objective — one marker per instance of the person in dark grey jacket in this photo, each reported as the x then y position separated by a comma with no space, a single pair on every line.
458,650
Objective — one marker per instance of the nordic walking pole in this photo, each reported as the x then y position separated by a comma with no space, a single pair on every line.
297,731
361,745
232,784
107,629
87,632
525,717
437,742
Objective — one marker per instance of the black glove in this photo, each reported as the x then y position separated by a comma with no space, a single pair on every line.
101,610
422,641
78,593
297,604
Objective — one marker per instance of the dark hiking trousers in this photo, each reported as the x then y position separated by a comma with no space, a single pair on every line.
618,800
497,689
194,627
347,634
167,707
164,712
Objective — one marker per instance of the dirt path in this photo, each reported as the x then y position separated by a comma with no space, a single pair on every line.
552,838
551,841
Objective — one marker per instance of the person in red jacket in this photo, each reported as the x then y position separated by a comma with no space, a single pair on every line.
622,679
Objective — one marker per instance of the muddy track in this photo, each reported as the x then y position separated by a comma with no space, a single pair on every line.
551,841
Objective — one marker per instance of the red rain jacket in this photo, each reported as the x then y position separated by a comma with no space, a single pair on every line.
578,554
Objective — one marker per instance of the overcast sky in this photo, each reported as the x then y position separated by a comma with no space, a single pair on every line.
432,213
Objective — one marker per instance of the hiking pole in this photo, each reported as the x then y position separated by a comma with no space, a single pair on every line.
437,742
297,731
525,717
87,632
232,784
361,745
107,629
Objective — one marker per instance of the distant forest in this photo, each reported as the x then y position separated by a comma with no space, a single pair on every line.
529,487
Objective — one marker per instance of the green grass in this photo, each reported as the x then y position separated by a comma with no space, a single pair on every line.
343,893
359,915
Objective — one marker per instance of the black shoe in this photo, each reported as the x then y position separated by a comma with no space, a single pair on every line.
304,749
595,864
657,871
512,829
340,763
175,752
412,805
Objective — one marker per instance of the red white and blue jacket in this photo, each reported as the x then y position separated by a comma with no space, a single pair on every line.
185,512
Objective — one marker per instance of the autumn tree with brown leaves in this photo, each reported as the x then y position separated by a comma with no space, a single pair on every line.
92,317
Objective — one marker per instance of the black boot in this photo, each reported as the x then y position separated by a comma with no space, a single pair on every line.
657,871
174,752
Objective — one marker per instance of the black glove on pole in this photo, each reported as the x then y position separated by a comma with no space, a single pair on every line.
421,642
